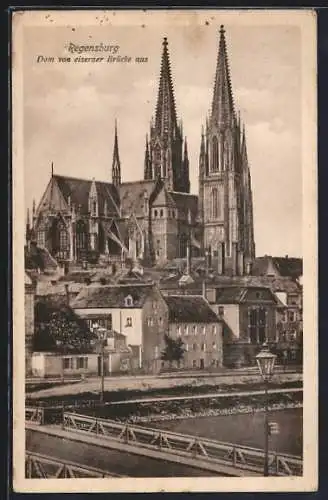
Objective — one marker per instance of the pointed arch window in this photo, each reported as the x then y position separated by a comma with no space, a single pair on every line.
215,212
63,237
215,154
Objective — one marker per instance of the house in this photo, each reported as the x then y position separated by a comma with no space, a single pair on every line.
29,322
136,310
192,319
116,358
249,315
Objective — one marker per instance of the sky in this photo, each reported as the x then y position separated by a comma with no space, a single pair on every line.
70,108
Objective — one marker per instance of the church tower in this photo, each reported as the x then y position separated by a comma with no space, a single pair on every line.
225,194
116,164
164,157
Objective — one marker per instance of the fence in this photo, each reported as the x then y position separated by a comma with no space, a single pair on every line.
215,452
43,466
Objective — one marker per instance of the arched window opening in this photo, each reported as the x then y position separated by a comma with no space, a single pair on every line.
215,154
81,239
214,203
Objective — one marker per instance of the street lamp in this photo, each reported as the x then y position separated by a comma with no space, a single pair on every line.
101,333
265,361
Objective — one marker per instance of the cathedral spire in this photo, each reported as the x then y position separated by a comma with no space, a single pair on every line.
147,166
185,181
165,118
222,105
116,165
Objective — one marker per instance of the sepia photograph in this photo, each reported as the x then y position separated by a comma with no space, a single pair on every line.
164,250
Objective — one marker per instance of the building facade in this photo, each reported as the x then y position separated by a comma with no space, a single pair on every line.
30,289
157,219
139,312
249,317
192,320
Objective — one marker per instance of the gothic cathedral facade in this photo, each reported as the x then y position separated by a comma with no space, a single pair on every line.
157,219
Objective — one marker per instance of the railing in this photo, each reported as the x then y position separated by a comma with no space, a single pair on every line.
215,452
34,415
43,466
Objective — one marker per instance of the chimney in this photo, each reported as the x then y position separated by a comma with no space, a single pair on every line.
234,259
249,266
241,263
67,294
188,270
204,289
206,261
221,258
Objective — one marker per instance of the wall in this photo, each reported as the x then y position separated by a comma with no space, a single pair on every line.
197,334
155,308
119,321
29,326
230,317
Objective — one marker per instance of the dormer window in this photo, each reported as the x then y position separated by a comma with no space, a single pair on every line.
128,301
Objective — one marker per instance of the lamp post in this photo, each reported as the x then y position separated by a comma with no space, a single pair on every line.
265,361
101,333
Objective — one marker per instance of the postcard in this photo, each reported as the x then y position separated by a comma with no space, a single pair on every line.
164,167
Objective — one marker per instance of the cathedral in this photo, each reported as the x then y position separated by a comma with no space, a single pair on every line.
156,219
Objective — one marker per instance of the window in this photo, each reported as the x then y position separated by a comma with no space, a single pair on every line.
186,330
257,322
258,295
160,321
194,347
41,239
215,154
213,362
213,345
161,213
67,363
155,213
104,322
203,347
194,363
150,321
204,330
63,239
194,330
155,305
128,301
284,316
221,311
291,316
186,347
94,208
214,203
82,363
214,330
128,321
179,331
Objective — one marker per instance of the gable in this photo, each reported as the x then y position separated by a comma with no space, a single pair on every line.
52,199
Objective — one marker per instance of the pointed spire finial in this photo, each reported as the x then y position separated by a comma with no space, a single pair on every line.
33,207
116,164
165,42
52,169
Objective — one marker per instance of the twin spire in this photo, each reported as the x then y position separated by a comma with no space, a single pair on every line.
165,143
222,112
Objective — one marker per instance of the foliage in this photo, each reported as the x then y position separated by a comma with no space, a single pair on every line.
59,329
174,349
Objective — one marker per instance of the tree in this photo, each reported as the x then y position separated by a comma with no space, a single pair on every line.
59,329
174,349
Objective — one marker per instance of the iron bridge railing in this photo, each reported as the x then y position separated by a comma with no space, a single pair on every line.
43,466
240,457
